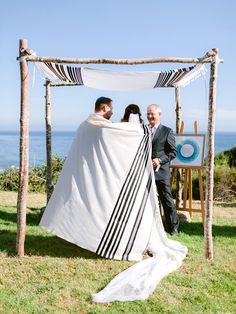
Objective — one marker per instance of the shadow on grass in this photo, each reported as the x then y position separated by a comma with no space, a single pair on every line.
48,245
39,245
32,219
196,228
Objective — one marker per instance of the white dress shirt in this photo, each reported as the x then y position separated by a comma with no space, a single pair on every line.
153,129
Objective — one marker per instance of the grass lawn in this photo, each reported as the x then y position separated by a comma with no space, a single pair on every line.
58,277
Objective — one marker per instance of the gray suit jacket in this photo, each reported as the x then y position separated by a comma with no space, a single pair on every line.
163,147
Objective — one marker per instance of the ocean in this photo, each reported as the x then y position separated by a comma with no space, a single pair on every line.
61,141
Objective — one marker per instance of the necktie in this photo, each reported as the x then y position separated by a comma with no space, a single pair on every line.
153,130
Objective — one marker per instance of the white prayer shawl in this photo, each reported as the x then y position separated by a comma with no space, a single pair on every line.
105,202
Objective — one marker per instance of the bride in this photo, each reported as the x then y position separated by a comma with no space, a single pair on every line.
132,114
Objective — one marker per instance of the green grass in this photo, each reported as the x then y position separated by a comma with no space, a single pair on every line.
58,277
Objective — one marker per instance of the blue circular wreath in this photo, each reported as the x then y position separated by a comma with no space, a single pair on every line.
189,158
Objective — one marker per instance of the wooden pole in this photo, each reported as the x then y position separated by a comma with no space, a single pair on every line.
181,131
200,184
210,160
179,189
24,153
201,193
185,188
190,192
177,109
49,184
205,59
64,84
195,128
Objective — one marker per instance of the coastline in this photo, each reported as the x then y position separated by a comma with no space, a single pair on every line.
61,142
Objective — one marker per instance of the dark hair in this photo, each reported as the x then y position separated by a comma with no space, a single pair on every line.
131,109
101,101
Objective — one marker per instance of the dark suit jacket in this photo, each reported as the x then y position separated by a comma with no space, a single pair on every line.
163,147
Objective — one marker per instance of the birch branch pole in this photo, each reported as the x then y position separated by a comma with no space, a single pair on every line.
48,122
24,153
205,59
210,160
179,189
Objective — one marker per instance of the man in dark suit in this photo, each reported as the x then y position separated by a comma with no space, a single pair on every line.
163,151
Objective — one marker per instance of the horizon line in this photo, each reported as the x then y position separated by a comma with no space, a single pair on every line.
70,130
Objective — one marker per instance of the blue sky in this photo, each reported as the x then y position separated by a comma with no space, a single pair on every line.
118,29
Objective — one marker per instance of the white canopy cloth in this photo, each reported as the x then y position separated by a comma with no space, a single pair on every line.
105,201
122,80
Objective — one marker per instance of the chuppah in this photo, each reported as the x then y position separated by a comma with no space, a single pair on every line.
27,55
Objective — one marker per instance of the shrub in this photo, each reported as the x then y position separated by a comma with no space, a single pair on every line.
225,183
57,164
227,157
224,177
9,178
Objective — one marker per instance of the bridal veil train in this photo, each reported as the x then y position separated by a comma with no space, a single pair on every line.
105,201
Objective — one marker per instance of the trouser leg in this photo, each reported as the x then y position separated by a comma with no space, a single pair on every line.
170,213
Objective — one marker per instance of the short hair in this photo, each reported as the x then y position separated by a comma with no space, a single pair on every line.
157,107
102,101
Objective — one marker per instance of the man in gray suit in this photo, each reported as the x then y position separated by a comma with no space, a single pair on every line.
163,151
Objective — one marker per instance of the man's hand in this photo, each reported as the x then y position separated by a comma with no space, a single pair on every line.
155,162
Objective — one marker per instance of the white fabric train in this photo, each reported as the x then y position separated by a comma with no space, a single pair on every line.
105,202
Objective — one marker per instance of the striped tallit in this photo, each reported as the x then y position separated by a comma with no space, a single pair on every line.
109,194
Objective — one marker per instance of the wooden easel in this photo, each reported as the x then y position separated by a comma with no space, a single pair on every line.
187,188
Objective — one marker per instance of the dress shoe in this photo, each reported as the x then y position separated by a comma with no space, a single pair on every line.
174,231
